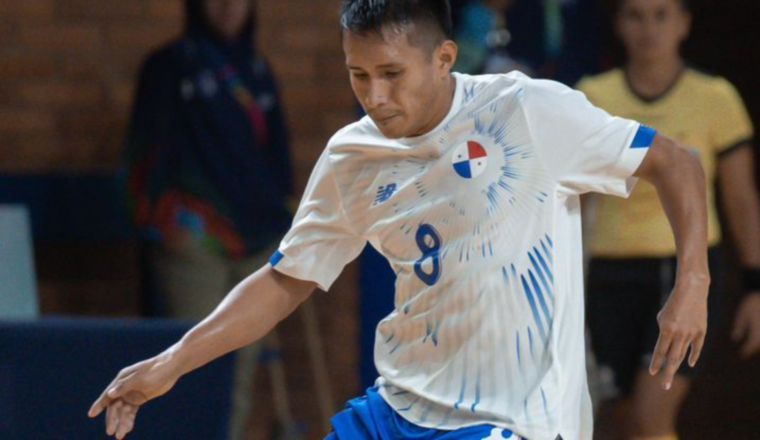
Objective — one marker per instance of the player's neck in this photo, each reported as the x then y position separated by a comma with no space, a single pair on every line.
652,79
441,107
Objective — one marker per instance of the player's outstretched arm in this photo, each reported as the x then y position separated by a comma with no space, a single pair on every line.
247,314
680,183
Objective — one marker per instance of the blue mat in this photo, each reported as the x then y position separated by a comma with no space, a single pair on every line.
51,370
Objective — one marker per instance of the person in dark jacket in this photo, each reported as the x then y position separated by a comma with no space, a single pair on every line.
207,168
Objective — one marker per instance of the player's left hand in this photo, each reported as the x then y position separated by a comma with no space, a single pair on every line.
747,324
683,324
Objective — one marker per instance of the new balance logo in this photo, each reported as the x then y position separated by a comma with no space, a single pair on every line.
384,193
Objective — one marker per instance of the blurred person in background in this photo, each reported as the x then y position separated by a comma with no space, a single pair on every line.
556,39
208,169
482,37
633,263
746,328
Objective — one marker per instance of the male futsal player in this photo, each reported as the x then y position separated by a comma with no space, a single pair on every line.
469,186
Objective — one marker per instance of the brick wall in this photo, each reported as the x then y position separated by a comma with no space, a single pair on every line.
66,77
67,71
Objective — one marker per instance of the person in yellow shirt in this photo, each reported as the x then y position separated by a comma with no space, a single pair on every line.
632,252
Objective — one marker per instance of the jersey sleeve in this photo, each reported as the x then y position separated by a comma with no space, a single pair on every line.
321,241
583,147
731,124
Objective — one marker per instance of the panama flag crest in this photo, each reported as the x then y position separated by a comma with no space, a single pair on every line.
470,160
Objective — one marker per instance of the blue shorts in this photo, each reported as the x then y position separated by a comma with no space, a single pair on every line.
370,418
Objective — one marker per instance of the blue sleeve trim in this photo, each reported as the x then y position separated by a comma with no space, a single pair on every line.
644,137
275,258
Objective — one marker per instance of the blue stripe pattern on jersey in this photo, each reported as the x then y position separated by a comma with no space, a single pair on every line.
533,307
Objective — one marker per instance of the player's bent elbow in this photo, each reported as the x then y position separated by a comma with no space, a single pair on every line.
684,161
666,158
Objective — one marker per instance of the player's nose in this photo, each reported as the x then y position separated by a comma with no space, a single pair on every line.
377,95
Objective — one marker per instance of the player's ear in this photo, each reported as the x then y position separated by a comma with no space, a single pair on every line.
446,55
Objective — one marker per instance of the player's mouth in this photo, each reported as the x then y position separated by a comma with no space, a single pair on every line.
385,119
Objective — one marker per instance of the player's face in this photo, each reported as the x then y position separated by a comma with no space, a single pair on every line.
402,87
227,17
652,30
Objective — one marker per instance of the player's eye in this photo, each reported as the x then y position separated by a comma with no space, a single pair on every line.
360,76
392,74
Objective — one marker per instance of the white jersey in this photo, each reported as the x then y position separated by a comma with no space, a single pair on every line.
480,221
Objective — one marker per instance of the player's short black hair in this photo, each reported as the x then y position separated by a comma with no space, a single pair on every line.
431,17
685,4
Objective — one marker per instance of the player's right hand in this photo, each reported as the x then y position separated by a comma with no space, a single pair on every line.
131,388
683,325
